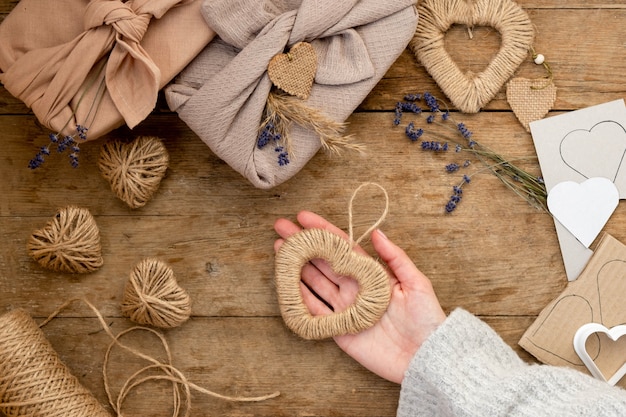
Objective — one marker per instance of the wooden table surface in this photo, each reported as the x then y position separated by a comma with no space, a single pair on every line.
495,255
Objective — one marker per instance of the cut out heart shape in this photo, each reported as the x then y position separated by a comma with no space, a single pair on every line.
580,346
584,208
470,92
70,242
371,301
530,100
294,71
581,150
153,297
134,170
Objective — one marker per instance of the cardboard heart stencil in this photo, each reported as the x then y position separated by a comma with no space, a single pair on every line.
581,150
580,343
294,71
530,100
584,208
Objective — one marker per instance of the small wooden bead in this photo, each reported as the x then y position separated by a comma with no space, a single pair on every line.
539,59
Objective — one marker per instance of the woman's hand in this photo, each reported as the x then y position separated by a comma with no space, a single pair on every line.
413,313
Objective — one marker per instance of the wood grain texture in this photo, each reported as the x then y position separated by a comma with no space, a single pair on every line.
495,256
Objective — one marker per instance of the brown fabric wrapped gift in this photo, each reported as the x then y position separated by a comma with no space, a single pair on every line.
98,63
223,92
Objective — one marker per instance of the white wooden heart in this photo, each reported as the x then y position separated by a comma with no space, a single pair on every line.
584,208
580,340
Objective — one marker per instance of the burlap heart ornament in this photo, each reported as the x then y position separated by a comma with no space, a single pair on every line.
530,100
294,71
134,170
70,242
470,92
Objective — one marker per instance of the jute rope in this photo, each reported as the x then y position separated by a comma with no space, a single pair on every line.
70,242
35,383
153,297
135,169
374,289
470,92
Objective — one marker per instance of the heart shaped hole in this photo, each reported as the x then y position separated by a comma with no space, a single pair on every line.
472,49
347,285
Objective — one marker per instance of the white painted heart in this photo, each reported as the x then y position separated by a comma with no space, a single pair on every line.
580,341
581,149
584,208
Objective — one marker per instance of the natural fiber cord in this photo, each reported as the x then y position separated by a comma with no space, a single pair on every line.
70,242
374,290
153,297
33,380
470,92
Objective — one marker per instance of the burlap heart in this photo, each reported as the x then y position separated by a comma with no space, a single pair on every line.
134,170
153,297
70,242
294,71
470,92
530,100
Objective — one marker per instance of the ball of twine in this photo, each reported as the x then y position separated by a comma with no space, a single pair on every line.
134,170
70,242
153,297
33,379
374,290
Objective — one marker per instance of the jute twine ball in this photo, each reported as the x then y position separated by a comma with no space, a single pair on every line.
153,297
70,242
135,169
33,379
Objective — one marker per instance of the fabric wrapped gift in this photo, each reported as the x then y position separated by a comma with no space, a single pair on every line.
222,94
97,63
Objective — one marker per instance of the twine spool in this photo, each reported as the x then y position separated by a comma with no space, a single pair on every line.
33,380
134,170
153,297
70,242
470,92
374,290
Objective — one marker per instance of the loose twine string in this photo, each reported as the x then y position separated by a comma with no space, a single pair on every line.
34,382
374,290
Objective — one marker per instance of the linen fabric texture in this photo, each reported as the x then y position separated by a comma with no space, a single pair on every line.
56,55
221,95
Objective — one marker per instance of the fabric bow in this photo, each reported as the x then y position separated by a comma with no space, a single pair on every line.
51,80
222,94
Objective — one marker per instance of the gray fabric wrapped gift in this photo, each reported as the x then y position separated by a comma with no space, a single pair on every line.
222,94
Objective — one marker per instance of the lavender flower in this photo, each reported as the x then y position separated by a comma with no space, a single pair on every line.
62,144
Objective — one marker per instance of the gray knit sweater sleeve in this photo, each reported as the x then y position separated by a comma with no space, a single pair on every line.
465,369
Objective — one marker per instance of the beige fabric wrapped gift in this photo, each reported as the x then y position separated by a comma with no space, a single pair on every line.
221,95
97,63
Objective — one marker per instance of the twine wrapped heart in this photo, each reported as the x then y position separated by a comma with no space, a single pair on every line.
294,72
470,92
374,290
134,170
153,297
530,100
70,242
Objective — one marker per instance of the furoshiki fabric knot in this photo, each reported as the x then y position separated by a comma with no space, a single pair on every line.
221,95
57,55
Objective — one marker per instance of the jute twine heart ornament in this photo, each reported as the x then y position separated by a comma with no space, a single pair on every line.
134,170
153,297
530,100
70,242
374,290
470,92
294,71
